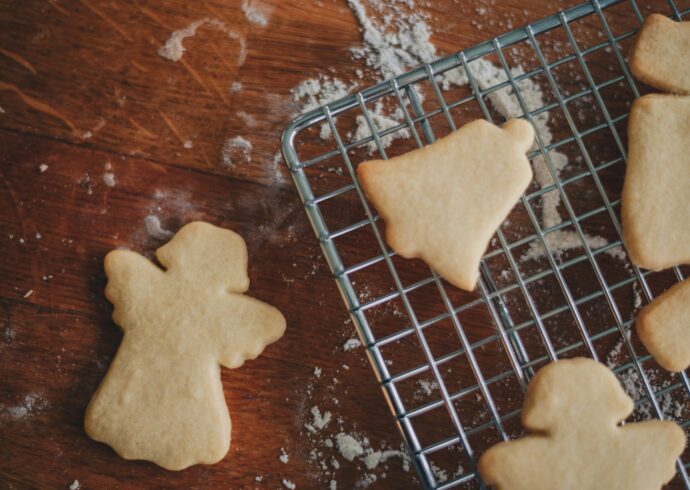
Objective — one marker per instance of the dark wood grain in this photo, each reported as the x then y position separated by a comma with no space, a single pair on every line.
82,87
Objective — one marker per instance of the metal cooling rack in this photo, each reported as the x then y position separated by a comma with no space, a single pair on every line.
510,325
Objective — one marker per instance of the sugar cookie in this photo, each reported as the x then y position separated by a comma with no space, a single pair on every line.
443,202
162,398
656,192
664,327
660,56
574,407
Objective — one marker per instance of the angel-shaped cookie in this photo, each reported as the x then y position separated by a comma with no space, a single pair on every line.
443,202
162,398
574,407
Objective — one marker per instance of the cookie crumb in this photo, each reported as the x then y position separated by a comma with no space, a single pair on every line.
75,485
42,167
289,485
284,458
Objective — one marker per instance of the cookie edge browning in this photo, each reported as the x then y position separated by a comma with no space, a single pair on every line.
646,330
638,55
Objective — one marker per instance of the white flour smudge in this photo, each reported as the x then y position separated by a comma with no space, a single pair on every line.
236,150
173,49
155,230
253,14
32,404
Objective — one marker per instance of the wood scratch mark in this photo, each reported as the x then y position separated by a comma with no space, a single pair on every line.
203,153
219,91
222,58
56,6
19,60
139,66
217,14
37,104
107,19
171,125
195,75
148,13
141,128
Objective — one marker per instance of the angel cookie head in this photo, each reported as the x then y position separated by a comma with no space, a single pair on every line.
575,407
162,398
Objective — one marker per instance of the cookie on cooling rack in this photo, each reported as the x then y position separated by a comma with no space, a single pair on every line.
660,56
656,192
664,327
574,407
442,203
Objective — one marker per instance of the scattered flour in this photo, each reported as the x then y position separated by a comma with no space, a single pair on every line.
235,87
351,344
381,122
316,92
392,52
349,447
188,145
319,421
155,230
236,150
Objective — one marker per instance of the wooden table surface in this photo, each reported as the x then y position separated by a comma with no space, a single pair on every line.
84,92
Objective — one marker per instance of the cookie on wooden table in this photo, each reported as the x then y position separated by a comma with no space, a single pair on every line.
162,398
664,327
656,192
661,54
443,202
574,408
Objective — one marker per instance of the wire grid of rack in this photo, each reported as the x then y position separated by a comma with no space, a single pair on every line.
509,328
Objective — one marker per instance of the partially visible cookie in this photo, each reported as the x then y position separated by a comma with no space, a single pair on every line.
574,407
442,203
661,54
656,192
664,327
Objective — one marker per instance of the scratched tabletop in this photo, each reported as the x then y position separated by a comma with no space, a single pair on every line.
105,143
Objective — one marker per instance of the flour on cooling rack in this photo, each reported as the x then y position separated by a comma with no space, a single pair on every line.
395,38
